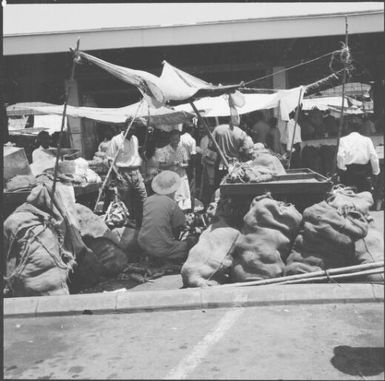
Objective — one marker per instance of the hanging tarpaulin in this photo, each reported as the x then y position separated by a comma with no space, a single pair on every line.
147,83
174,85
159,116
181,87
286,100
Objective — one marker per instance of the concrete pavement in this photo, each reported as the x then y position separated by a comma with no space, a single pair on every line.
341,341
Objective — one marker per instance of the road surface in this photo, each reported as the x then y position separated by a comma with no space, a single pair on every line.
323,341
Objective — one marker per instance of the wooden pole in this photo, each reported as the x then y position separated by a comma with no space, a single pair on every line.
295,127
334,168
221,154
101,190
62,122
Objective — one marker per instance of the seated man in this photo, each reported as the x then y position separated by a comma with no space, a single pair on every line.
162,220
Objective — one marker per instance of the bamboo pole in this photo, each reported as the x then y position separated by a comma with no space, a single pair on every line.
225,162
62,121
295,127
339,270
337,276
334,168
101,190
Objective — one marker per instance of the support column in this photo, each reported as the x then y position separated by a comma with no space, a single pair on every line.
74,123
279,82
89,129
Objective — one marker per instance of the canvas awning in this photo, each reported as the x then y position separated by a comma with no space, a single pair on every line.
174,86
286,100
159,116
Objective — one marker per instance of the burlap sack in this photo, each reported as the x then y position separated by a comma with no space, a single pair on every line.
345,197
326,240
209,261
269,229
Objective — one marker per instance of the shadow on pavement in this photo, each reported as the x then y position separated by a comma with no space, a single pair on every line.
359,361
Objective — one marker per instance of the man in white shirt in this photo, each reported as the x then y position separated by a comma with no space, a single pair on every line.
357,160
131,188
190,145
287,140
42,158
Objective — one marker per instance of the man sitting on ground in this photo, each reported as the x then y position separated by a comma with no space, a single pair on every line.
163,220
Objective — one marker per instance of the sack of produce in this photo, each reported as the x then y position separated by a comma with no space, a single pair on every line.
209,261
35,242
370,249
344,197
326,239
269,229
269,161
127,240
20,183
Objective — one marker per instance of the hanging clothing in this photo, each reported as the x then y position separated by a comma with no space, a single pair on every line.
287,134
168,156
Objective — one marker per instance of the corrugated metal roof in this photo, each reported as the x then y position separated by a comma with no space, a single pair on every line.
51,18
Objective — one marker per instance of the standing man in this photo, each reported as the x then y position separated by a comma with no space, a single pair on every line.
357,160
190,145
131,188
233,142
260,129
287,140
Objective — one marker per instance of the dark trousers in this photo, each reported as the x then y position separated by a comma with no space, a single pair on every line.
359,176
132,192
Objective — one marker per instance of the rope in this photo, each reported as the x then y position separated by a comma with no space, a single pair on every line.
222,261
293,67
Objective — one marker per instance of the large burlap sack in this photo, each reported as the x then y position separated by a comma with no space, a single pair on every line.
266,159
209,261
32,240
42,236
257,255
344,197
127,239
326,240
269,229
370,249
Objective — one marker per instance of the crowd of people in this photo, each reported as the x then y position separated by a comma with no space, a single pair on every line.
159,175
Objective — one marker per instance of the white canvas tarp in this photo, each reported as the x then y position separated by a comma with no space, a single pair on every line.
159,116
286,100
174,85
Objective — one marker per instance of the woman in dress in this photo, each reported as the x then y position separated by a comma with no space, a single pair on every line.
173,157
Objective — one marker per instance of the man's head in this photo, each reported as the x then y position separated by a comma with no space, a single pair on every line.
132,129
43,139
174,138
166,183
355,125
259,116
188,126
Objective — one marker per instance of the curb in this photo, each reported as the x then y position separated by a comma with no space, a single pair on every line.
193,298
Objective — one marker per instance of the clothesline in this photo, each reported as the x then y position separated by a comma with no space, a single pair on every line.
292,67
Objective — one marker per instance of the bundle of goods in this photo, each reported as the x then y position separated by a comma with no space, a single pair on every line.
75,172
248,172
210,260
327,239
269,229
42,242
265,158
113,249
20,183
117,213
344,197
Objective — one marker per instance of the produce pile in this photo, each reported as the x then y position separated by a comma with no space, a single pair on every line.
248,173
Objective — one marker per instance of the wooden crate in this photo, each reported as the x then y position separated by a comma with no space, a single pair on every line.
295,181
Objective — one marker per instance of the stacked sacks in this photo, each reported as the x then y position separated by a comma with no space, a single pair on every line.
326,240
269,229
210,260
42,242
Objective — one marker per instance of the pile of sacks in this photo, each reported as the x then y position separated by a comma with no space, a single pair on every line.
224,254
276,240
54,246
335,233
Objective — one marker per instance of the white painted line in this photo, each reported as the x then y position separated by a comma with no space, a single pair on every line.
199,352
